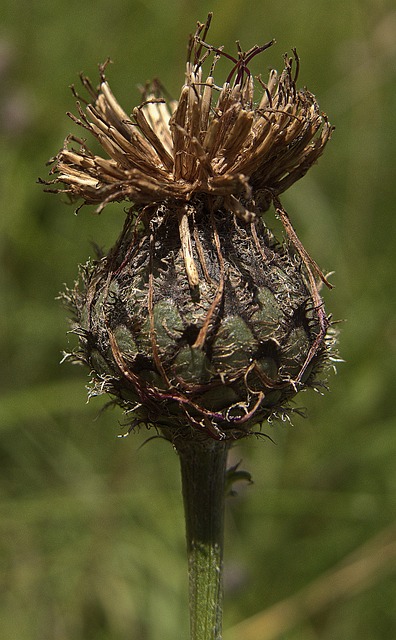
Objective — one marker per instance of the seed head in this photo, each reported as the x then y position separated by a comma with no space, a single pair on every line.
198,321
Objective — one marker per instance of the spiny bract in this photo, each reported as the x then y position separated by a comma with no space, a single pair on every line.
221,358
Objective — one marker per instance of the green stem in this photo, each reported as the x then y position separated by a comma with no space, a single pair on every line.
203,468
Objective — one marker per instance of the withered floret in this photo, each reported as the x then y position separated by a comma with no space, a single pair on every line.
211,141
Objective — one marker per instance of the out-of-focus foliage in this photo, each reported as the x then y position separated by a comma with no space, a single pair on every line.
91,528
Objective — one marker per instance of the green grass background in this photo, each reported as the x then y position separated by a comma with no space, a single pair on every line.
91,527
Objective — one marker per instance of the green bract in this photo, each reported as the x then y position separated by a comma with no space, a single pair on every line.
221,356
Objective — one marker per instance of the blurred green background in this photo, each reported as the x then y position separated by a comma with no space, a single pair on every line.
91,527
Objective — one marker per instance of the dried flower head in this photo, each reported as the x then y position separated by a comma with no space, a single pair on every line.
198,316
214,141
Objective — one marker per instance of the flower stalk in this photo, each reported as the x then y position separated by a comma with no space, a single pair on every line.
203,472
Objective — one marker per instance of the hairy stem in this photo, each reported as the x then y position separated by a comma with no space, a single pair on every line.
203,468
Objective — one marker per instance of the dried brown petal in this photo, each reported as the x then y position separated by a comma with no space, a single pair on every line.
200,145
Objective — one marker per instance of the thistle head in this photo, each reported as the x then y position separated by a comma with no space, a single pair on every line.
198,321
